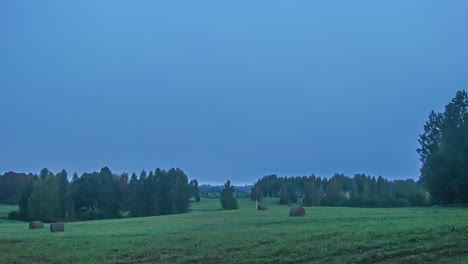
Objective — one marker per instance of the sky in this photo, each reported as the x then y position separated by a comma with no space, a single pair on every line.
226,89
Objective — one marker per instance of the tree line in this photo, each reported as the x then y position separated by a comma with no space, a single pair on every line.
340,190
214,191
443,176
443,180
103,195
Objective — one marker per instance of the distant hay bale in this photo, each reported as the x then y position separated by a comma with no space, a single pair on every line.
57,227
297,211
262,207
36,225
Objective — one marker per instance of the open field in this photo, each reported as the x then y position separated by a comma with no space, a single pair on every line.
324,235
5,209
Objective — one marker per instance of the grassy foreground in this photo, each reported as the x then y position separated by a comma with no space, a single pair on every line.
324,235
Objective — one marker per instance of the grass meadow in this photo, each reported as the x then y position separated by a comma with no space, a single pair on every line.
209,235
5,209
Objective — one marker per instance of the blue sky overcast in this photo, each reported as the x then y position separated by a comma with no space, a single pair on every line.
226,89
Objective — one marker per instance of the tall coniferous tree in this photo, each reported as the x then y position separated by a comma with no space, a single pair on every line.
156,192
25,197
133,185
310,193
284,198
140,197
165,200
182,192
443,151
149,206
124,191
65,200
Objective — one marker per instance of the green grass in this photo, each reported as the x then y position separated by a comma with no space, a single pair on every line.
324,235
6,209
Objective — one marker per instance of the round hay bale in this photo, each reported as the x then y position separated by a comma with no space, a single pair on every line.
57,227
36,225
297,211
262,207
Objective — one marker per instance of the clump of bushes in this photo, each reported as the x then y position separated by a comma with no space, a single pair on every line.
13,215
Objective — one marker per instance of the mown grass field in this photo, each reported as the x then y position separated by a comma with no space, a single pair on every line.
5,209
324,235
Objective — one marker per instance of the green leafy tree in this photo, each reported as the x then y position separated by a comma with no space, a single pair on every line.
227,199
194,190
44,173
108,195
44,203
10,187
256,194
85,194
